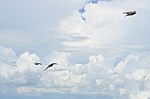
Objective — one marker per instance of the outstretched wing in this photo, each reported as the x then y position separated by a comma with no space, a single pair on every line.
54,64
46,68
50,65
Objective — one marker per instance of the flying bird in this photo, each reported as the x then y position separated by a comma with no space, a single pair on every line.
130,13
37,63
50,65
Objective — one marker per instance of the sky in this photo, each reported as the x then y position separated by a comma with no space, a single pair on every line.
101,53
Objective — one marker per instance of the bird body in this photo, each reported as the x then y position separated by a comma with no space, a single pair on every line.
50,65
37,63
130,13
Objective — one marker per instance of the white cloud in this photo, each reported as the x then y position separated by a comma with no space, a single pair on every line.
98,82
26,62
140,95
21,71
60,57
7,55
121,65
8,52
101,27
123,91
70,77
96,59
6,71
105,26
139,74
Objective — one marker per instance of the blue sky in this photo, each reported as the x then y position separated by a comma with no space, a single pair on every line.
104,56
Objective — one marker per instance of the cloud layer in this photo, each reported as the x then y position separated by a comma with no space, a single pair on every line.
128,77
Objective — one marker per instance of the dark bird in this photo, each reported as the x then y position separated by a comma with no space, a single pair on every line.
130,13
37,63
50,65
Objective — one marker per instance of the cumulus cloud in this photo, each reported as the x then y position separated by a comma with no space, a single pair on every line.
93,77
60,57
26,61
138,75
140,95
121,65
7,54
19,71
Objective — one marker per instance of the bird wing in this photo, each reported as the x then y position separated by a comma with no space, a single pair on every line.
40,63
52,64
46,68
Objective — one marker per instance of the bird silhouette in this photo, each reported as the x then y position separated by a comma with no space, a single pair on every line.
130,13
50,65
37,63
